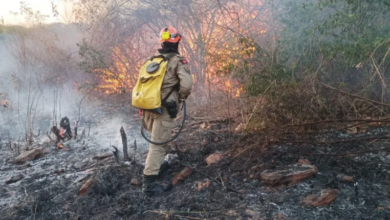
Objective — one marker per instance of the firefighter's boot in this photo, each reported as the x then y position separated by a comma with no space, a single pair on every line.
151,188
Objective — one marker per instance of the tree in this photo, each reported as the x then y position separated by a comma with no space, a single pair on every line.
211,32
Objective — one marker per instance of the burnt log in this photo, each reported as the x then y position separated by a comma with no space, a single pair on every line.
325,198
288,175
29,155
124,143
102,156
184,174
85,187
214,158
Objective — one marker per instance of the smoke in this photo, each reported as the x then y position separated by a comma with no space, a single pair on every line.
37,75
6,61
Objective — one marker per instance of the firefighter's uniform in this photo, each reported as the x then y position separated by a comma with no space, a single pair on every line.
160,125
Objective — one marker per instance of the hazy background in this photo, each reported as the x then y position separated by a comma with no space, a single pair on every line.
10,11
292,56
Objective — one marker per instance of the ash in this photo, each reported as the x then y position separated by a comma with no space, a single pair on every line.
50,185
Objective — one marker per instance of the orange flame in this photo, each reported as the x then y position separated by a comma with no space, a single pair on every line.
227,49
118,77
4,103
234,88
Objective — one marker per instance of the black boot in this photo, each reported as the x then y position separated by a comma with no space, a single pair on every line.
151,188
163,168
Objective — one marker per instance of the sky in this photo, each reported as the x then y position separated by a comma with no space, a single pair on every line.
43,6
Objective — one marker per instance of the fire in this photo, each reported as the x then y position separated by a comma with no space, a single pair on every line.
120,76
224,47
5,103
234,88
231,48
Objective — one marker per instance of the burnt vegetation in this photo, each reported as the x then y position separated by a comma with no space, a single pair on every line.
288,117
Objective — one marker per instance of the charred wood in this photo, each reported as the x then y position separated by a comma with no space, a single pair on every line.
323,199
116,153
56,132
135,151
85,187
288,175
124,143
28,155
75,128
102,156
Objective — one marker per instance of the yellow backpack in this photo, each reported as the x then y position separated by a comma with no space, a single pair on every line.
146,94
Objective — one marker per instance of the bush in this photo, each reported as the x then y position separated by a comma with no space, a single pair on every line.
344,44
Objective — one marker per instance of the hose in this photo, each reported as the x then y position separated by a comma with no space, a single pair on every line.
175,136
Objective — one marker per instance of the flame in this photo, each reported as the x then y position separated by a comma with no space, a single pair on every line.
225,47
233,53
120,76
234,88
5,103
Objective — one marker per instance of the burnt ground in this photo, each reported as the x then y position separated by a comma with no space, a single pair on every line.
235,192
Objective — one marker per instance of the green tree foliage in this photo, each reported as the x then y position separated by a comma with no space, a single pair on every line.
335,36
340,42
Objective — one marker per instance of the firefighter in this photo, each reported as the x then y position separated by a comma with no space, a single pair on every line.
65,126
176,87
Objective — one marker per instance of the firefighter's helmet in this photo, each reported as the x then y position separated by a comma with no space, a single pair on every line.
169,34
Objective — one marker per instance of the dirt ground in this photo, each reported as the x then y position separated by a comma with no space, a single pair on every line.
50,187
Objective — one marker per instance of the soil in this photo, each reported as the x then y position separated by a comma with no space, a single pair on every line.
50,187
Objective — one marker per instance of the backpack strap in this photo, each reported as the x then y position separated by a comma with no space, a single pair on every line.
157,56
164,58
164,100
176,87
167,58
